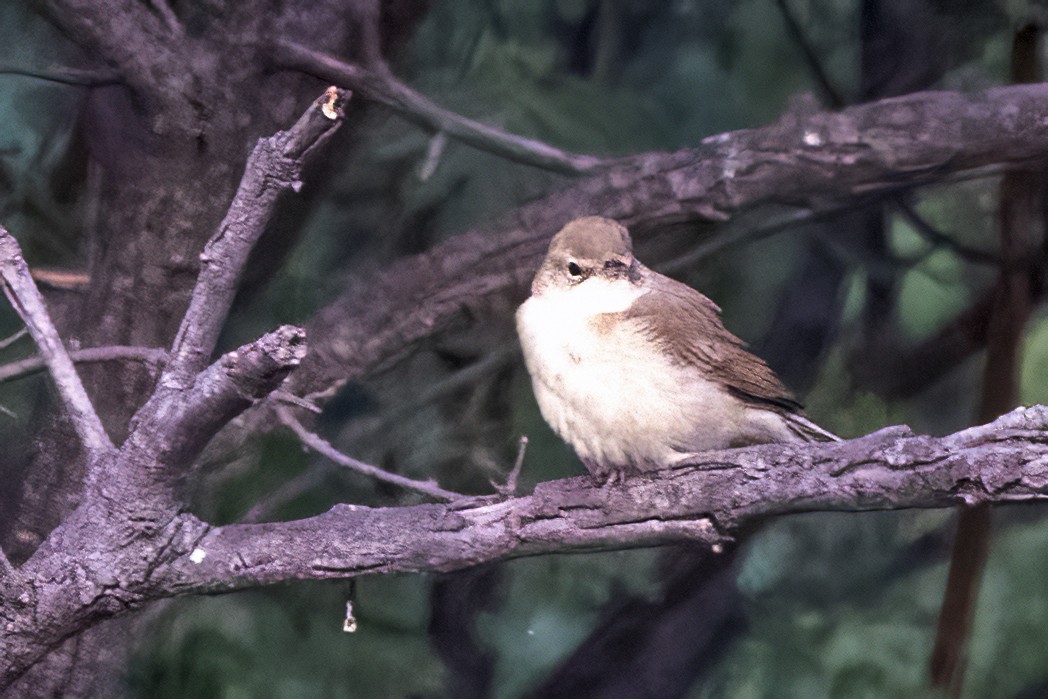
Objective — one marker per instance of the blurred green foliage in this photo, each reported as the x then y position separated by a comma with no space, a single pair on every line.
839,605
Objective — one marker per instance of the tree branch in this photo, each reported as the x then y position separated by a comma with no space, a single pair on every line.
380,85
65,75
940,239
324,448
29,304
146,53
128,521
174,425
113,353
811,58
1004,461
275,165
816,163
705,501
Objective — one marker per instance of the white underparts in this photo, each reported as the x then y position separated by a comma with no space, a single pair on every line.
612,394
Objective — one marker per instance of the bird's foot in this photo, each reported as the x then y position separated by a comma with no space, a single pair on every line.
603,476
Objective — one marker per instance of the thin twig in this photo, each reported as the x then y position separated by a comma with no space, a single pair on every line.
292,399
304,482
472,374
382,86
64,279
111,353
822,78
940,239
29,304
65,76
324,448
433,154
8,341
510,487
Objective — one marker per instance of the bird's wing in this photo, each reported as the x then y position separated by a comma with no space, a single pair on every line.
692,333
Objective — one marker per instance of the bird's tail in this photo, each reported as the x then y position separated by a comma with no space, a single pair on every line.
807,430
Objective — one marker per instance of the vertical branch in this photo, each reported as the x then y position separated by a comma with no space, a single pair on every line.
274,165
21,291
1021,231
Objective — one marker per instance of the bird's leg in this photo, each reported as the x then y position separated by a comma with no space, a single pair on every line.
603,476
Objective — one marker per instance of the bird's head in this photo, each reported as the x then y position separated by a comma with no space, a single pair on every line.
587,248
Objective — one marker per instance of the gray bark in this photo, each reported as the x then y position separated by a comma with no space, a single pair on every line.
121,539
97,567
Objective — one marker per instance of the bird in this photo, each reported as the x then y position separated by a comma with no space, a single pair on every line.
635,370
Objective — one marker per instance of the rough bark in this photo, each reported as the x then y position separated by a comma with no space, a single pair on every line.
97,567
814,162
126,543
129,497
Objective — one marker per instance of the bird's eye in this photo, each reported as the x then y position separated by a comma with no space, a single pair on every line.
574,270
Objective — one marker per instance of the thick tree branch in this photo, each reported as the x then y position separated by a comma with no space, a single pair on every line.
127,523
380,85
174,425
810,163
143,49
275,165
29,304
1004,461
52,597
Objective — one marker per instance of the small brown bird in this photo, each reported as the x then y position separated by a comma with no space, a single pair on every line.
635,370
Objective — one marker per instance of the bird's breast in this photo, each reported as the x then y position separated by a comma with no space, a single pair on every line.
604,386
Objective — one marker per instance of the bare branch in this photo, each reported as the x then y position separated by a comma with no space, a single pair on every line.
810,164
940,239
324,448
381,86
29,304
706,501
112,353
274,165
1004,461
174,425
815,67
149,56
510,486
292,399
65,75
8,341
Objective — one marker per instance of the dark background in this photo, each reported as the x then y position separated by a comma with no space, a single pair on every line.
815,605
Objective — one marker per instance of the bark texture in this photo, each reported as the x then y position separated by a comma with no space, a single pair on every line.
103,566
